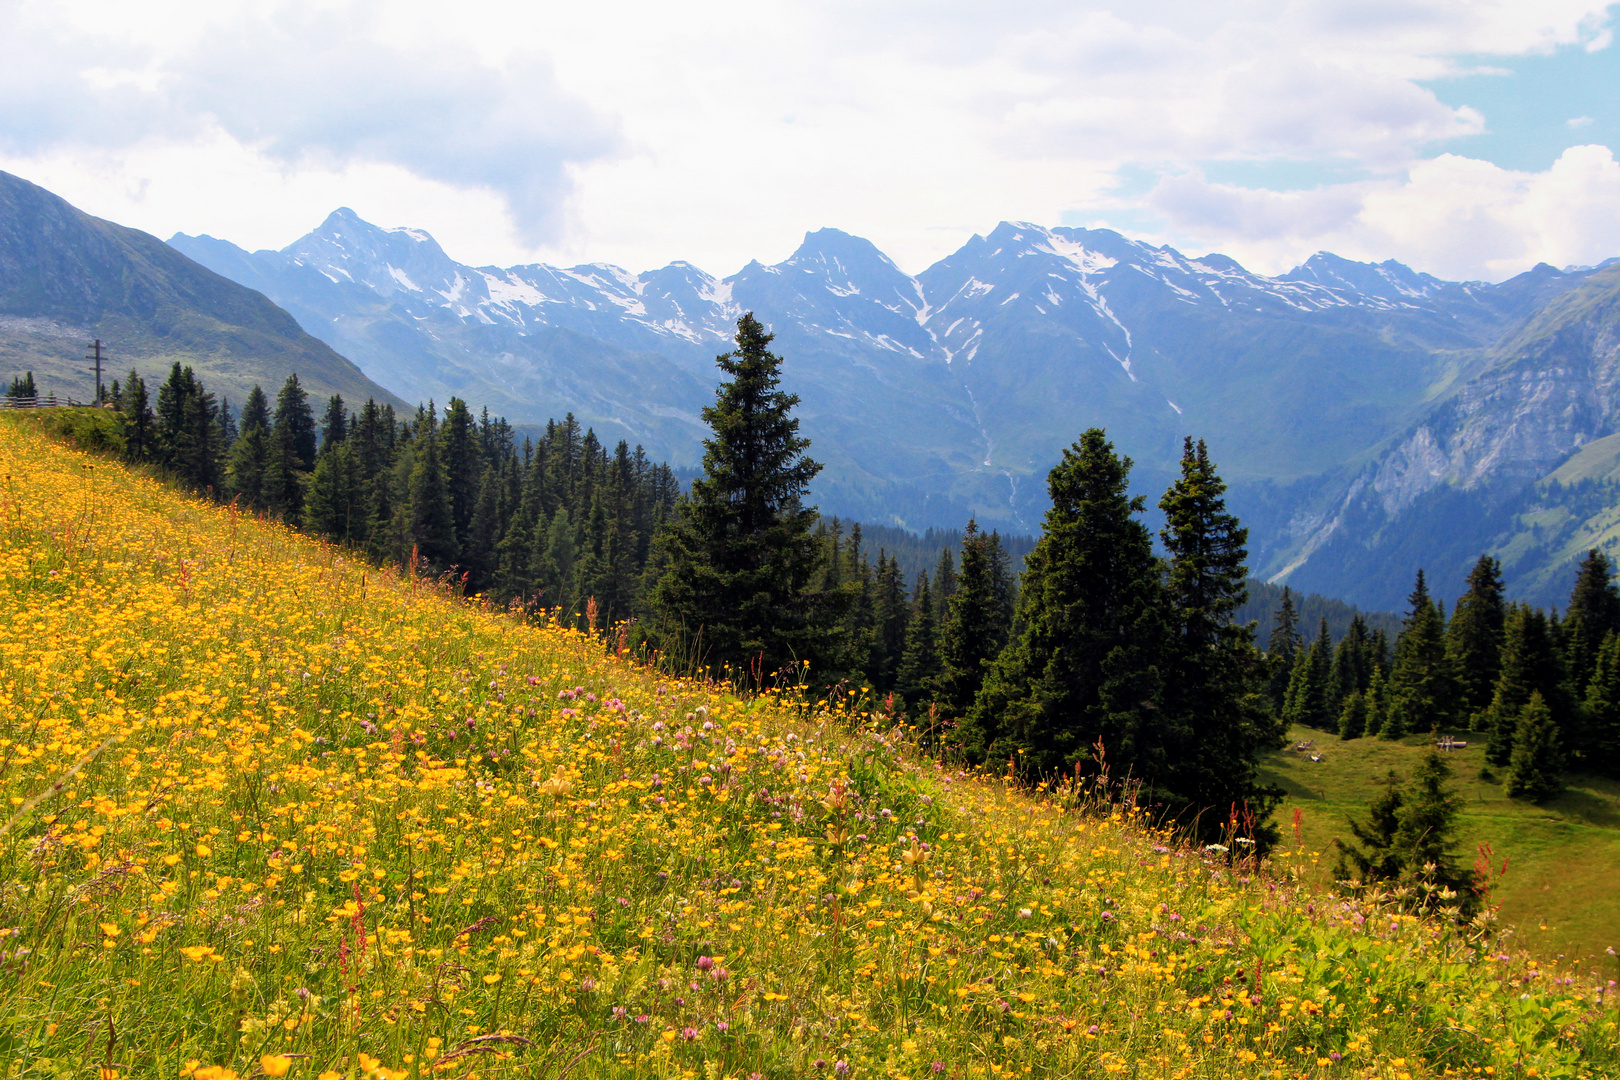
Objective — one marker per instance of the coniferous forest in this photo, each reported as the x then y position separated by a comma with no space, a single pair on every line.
1109,654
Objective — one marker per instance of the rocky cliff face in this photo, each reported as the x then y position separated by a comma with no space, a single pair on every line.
1483,452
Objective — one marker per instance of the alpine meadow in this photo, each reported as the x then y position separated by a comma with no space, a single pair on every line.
283,807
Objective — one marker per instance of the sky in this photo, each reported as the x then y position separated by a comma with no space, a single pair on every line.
1467,138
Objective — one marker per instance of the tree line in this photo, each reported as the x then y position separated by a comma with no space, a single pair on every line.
562,524
1541,689
1104,658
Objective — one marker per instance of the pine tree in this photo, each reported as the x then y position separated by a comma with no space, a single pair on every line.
1474,639
1377,696
944,581
1353,664
1214,677
919,663
1530,665
23,387
334,506
1407,839
297,421
740,549
139,423
890,616
1085,666
1282,649
1594,611
974,632
1353,716
1309,701
430,528
1422,694
1374,855
459,453
1428,828
334,422
1538,756
1602,709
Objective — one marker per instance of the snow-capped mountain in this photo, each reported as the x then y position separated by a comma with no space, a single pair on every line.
928,397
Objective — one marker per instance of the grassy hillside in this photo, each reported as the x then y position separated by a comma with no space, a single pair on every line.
279,814
1558,892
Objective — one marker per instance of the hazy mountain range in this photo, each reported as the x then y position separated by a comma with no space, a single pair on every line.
1370,418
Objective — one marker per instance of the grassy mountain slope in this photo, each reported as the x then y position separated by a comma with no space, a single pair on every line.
1561,858
67,278
280,814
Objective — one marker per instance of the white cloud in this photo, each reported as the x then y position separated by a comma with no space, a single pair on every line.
1578,122
644,132
1454,216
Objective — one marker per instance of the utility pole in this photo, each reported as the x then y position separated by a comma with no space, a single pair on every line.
96,356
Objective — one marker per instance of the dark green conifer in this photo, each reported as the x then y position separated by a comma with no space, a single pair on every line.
296,421
1353,664
1353,716
249,456
1282,650
1530,665
1474,640
430,526
1309,701
1594,611
1085,666
459,454
1422,694
334,505
974,631
139,423
1374,855
740,549
1538,756
1602,709
919,663
1214,705
944,582
334,422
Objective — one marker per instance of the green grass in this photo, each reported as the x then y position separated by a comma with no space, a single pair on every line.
1558,893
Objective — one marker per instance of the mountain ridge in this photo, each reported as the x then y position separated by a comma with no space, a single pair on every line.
67,277
932,396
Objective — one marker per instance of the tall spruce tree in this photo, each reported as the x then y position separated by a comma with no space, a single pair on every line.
1422,694
1353,664
1538,755
1214,677
739,550
1086,664
919,663
1594,612
1602,709
944,582
431,529
250,454
296,419
975,630
136,410
1530,665
1474,639
1310,700
334,421
1282,649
